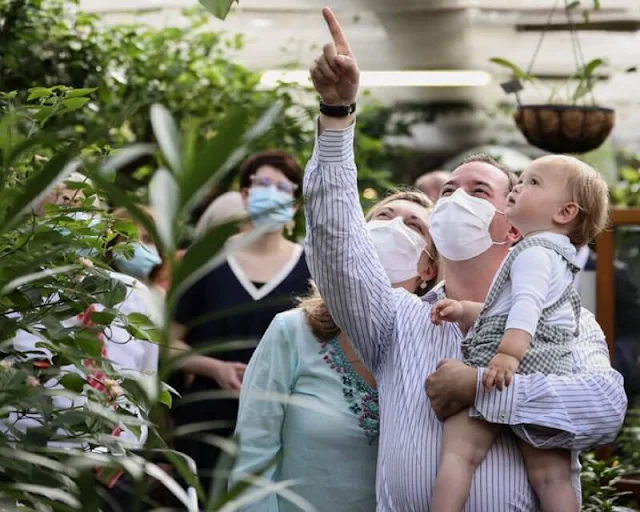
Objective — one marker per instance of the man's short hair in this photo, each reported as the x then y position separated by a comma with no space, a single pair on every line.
488,159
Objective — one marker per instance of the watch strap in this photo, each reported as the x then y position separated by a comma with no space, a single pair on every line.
337,110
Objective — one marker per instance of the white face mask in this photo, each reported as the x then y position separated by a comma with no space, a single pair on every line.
399,248
460,226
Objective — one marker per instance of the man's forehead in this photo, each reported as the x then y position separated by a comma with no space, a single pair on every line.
479,173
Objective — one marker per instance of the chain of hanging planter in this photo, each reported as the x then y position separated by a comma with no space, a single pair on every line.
563,128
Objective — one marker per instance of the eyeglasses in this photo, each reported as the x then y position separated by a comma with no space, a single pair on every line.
283,186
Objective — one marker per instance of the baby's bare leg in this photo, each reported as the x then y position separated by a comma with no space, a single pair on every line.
549,474
465,444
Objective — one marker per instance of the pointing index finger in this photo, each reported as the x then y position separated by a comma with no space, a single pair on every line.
339,38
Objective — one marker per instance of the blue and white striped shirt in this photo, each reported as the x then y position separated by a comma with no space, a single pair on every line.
392,332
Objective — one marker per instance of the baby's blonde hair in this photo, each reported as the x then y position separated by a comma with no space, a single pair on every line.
589,191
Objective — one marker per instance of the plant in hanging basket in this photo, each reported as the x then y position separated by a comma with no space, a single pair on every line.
567,122
562,124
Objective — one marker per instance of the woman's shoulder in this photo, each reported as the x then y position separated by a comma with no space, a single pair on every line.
292,321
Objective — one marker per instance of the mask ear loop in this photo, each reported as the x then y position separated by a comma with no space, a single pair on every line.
504,241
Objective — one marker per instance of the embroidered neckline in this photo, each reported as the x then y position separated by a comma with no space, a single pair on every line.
361,397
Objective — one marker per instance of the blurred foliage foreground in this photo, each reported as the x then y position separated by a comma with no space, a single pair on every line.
53,260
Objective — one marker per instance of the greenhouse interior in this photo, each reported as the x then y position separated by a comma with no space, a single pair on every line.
206,218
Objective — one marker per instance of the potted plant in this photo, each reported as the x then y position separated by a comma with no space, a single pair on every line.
569,122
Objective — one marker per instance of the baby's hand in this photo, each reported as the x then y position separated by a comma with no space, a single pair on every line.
447,310
500,371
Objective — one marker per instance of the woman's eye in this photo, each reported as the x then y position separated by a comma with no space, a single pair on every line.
383,214
533,181
445,193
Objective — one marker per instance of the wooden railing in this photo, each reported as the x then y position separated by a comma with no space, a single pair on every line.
605,288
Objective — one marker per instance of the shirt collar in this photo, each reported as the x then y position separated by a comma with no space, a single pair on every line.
435,294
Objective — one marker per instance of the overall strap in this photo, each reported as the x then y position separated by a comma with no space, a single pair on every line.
569,295
505,270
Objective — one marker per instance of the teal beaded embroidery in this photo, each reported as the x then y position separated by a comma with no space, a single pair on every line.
362,399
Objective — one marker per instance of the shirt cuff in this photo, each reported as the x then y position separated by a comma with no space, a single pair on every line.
496,406
335,147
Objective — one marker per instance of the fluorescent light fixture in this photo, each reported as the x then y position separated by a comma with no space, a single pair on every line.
372,79
261,22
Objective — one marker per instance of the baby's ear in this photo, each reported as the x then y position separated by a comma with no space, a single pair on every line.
566,214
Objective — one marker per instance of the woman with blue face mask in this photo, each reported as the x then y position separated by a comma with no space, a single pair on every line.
145,254
255,284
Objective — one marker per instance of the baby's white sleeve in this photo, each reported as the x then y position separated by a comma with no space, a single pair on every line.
531,275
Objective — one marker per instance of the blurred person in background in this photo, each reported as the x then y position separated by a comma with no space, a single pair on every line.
333,415
129,356
626,346
228,207
237,301
145,254
431,183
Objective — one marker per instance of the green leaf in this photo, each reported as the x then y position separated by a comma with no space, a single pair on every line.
166,133
164,196
118,196
590,67
73,382
219,8
56,170
72,104
630,174
74,93
123,157
9,135
39,92
48,492
573,5
213,154
199,256
515,70
596,4
165,398
22,280
103,317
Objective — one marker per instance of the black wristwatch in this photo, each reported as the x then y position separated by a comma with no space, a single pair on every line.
337,110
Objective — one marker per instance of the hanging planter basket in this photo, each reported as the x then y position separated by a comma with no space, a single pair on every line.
562,128
565,128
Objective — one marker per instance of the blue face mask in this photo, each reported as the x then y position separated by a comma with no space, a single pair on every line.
269,206
145,258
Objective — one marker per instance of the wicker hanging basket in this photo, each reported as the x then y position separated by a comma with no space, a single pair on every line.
565,128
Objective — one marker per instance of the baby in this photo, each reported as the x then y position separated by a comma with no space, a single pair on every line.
527,323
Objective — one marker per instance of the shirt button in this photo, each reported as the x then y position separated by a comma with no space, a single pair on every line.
503,416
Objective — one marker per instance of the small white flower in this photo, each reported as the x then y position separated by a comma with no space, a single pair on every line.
5,364
32,381
85,262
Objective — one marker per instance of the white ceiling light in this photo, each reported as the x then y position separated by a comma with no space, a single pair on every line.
453,78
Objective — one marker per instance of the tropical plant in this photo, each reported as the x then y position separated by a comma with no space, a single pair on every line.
52,270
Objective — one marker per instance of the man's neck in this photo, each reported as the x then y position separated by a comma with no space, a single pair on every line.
471,279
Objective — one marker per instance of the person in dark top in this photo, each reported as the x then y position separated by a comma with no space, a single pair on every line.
626,347
237,301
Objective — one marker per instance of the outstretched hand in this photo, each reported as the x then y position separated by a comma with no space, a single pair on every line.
446,310
335,73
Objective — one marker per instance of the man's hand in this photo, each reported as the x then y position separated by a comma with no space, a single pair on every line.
227,375
446,310
499,372
335,73
451,388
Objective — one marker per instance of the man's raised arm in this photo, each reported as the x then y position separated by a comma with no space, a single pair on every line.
342,259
